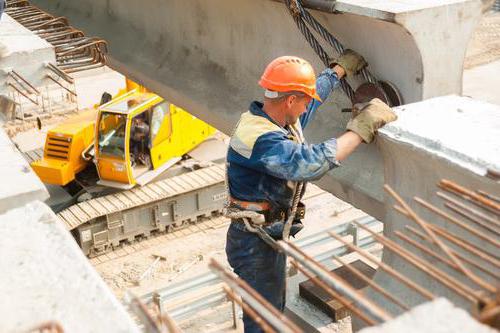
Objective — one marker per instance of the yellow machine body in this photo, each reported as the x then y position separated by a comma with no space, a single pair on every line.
63,148
173,133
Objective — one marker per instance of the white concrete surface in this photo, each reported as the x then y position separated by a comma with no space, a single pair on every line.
91,84
483,82
22,51
459,129
438,316
46,277
18,183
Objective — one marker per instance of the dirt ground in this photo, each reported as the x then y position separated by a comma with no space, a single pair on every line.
484,46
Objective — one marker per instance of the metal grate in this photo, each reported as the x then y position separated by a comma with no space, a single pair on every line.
58,147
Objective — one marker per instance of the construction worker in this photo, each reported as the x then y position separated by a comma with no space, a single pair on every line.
267,158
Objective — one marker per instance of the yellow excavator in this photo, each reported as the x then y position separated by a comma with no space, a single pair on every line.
132,138
115,169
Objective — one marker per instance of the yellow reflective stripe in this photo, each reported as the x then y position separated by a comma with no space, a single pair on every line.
248,130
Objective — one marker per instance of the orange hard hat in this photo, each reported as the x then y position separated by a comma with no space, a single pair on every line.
290,73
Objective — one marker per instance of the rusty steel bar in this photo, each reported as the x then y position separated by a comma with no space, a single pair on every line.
388,269
469,195
488,195
485,255
464,258
472,218
448,281
348,304
371,283
473,211
430,252
457,222
17,77
470,210
169,323
60,73
22,93
249,311
60,85
142,313
334,282
424,226
274,317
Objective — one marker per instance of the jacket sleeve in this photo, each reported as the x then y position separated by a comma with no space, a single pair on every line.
282,158
326,82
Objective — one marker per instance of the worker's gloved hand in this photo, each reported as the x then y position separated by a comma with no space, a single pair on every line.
351,62
372,116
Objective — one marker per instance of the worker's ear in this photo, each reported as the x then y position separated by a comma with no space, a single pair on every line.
289,100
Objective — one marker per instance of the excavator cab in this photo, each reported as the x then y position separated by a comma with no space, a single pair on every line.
136,140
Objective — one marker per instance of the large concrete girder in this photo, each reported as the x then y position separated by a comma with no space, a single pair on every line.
459,144
206,56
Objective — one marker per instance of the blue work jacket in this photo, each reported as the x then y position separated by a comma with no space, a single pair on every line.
263,162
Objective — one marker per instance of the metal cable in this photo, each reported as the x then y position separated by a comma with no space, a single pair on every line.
296,11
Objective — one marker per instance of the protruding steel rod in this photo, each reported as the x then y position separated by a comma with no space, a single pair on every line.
483,223
345,302
249,311
471,196
388,269
424,226
430,252
371,283
337,284
464,258
448,281
489,196
254,300
480,214
460,242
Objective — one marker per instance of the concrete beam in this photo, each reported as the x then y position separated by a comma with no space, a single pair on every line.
23,51
19,184
45,277
450,137
432,317
207,56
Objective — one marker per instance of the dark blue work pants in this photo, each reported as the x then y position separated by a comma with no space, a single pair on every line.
263,268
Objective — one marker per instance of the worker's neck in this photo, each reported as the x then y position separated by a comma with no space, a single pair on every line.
275,112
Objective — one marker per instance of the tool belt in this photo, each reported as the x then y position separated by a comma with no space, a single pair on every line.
270,213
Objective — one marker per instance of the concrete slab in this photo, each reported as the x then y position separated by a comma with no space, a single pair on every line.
438,316
91,84
19,184
22,51
46,277
439,126
450,137
483,82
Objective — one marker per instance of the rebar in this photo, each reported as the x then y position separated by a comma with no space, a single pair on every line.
254,300
464,258
457,222
342,300
471,196
249,311
389,270
424,266
427,230
371,283
334,282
